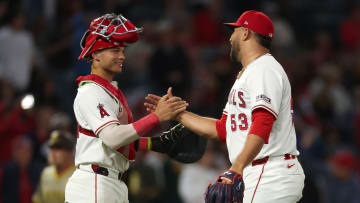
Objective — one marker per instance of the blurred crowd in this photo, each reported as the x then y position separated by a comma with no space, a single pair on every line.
184,45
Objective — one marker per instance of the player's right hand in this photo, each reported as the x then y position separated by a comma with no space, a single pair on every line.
151,102
168,107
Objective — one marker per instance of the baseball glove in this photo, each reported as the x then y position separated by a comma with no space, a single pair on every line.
229,191
180,144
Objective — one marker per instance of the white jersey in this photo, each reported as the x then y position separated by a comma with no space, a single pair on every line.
263,84
98,104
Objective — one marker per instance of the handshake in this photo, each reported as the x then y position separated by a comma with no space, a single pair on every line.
179,143
167,107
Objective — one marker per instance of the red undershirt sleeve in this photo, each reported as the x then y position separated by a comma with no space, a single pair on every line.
262,122
145,124
221,128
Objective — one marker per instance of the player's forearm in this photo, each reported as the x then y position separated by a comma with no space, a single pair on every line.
115,136
200,125
252,147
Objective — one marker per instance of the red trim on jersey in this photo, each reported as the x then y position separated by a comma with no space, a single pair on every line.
126,106
265,107
103,125
258,182
145,124
100,81
85,132
221,128
262,122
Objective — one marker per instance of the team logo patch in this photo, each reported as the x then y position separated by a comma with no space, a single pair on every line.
264,98
103,112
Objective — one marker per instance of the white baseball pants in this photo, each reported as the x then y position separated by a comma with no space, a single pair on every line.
276,181
88,187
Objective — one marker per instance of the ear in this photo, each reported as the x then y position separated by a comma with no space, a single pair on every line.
95,56
246,34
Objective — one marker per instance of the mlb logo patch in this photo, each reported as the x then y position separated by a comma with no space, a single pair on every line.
263,97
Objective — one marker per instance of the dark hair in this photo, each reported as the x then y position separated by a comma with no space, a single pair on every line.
263,40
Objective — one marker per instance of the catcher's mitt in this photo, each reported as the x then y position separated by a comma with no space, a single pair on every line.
230,191
180,144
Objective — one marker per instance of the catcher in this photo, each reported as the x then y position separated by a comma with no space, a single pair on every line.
107,137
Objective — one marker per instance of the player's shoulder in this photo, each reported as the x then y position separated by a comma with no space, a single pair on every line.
90,93
91,90
89,86
267,64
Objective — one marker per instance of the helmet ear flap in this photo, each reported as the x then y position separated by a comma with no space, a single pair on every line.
83,39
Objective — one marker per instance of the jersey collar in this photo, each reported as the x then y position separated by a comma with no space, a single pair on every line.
100,81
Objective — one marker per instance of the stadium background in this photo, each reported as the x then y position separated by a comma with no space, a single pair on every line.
185,45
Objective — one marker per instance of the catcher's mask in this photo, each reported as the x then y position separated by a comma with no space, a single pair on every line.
109,30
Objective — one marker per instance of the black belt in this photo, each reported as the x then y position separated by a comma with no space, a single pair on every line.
102,171
265,159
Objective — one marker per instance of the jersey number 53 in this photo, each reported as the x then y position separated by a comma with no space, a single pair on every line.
238,121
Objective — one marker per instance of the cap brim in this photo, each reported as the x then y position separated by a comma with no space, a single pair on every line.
232,24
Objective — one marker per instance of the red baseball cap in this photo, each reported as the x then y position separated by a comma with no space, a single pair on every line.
256,21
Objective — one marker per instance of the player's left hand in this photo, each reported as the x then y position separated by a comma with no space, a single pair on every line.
228,188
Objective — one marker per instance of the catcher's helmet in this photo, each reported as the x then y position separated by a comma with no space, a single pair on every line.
109,30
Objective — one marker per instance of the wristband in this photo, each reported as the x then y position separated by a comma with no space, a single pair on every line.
145,124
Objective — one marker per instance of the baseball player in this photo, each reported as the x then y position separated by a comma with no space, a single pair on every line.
257,122
107,137
54,177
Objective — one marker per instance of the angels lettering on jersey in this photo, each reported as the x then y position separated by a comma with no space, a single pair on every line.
232,99
102,111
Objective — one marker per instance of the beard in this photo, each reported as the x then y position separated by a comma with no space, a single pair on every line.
234,53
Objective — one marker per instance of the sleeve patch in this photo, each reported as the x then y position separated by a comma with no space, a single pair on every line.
102,111
264,98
